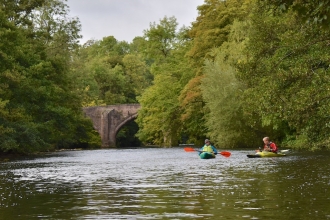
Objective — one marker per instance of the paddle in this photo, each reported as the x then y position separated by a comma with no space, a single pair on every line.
223,153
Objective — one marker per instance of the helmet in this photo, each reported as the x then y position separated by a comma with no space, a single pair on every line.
207,140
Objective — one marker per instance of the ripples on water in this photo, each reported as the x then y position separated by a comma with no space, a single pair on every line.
165,184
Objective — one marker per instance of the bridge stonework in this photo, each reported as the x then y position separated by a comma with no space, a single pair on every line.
107,120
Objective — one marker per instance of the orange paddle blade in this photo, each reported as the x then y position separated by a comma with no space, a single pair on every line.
189,149
225,153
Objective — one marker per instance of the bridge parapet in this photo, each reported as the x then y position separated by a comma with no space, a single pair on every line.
107,120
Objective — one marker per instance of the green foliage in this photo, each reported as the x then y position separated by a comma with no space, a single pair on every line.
244,70
85,85
310,11
287,76
104,69
193,110
210,30
212,27
38,110
159,119
137,73
111,82
161,38
227,124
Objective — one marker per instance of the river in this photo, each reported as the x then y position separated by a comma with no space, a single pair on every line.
153,183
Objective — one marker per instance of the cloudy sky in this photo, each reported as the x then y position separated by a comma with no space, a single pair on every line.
126,19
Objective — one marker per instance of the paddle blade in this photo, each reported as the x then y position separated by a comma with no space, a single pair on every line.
189,149
225,153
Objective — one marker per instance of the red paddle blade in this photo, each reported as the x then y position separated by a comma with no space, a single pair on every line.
225,153
189,149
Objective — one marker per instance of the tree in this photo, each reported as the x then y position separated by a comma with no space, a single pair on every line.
193,110
137,73
159,119
227,122
311,11
287,76
209,31
104,69
33,70
212,26
161,38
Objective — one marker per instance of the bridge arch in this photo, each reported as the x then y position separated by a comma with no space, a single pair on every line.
119,126
108,120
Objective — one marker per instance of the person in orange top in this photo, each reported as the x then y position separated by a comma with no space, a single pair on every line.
269,146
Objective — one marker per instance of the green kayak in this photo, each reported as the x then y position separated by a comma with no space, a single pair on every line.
207,155
265,154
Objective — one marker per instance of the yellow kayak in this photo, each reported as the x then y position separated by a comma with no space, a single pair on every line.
266,154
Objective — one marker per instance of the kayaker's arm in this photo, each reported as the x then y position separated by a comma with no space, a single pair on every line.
214,150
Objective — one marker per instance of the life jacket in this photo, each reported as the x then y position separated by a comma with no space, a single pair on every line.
208,148
272,146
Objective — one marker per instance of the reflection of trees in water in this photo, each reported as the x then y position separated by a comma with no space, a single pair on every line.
28,200
165,184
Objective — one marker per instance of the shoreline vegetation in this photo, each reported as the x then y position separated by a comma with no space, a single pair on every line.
242,71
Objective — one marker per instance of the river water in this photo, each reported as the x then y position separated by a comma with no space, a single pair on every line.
152,183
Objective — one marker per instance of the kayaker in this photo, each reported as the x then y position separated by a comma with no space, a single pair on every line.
269,146
208,147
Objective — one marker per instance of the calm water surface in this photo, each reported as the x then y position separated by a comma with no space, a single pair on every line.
165,184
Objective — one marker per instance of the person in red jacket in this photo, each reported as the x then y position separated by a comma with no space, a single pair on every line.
269,146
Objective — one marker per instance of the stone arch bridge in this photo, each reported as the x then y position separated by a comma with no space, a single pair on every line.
108,120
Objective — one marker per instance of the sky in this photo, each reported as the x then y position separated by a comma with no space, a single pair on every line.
127,19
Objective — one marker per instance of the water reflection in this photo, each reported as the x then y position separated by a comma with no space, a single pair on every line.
165,184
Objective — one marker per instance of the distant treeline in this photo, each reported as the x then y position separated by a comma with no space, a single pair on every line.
243,70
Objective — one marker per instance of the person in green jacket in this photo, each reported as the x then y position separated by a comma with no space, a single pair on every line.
208,148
